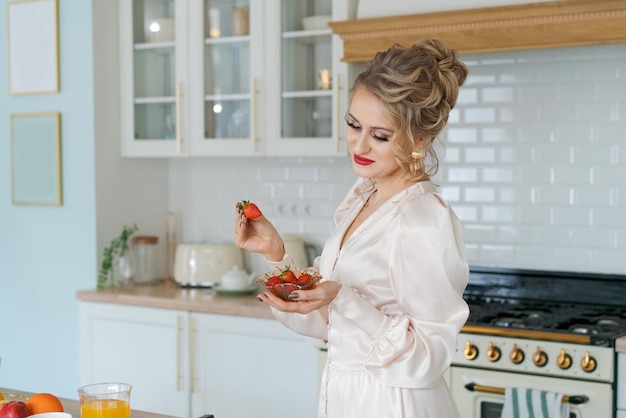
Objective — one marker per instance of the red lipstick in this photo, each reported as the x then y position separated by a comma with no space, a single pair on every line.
362,160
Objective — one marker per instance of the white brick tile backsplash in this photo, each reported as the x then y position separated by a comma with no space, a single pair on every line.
468,96
498,94
463,175
480,234
520,114
500,135
480,115
610,217
480,194
602,237
462,135
498,214
497,255
578,216
595,196
534,166
480,155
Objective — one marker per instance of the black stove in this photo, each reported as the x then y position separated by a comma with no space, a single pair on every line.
581,308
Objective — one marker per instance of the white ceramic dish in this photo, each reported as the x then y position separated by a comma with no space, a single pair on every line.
52,415
227,291
316,22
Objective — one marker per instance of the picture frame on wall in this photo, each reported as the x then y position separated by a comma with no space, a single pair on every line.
33,49
36,159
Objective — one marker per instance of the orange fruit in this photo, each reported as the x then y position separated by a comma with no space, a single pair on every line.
43,402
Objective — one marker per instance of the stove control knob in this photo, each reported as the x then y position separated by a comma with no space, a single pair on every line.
540,358
517,355
471,351
493,353
564,360
588,363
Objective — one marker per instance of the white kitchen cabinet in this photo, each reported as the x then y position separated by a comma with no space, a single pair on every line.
231,78
251,367
191,364
145,347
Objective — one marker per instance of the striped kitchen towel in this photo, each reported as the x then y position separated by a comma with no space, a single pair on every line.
533,403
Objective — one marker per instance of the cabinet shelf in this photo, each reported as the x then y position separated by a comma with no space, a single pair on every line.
227,40
307,93
155,100
226,97
307,33
155,45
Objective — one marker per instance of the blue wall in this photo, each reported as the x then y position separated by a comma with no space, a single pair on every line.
48,253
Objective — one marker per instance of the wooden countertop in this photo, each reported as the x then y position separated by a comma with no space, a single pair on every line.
620,344
72,406
168,295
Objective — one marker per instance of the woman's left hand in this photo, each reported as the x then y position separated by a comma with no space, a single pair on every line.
306,300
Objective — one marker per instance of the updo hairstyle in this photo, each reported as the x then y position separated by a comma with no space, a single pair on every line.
419,86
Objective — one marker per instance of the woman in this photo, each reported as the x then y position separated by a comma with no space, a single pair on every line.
394,270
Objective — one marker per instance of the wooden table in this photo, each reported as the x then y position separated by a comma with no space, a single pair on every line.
71,406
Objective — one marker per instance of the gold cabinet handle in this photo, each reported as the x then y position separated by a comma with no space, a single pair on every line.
588,363
253,118
564,360
338,118
517,355
540,358
179,129
471,351
179,332
493,353
192,354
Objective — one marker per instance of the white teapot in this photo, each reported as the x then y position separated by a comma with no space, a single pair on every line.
236,279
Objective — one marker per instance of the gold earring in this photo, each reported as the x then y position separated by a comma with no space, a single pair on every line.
417,154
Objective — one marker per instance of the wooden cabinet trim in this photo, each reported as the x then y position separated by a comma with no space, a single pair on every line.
551,24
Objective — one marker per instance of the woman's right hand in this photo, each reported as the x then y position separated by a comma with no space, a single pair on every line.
258,235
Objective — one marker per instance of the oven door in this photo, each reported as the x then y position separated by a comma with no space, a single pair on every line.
474,404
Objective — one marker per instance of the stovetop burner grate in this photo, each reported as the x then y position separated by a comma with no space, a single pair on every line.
591,306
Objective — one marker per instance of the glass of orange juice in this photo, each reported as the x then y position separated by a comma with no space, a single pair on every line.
105,400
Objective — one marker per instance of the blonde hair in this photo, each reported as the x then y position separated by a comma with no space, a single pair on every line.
419,86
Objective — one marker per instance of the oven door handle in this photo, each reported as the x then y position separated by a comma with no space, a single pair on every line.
474,387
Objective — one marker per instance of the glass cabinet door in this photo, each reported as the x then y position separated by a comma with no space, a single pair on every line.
306,92
307,73
152,34
223,76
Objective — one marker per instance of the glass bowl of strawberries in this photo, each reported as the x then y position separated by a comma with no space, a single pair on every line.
281,282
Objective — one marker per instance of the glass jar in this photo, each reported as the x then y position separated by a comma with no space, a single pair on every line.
144,253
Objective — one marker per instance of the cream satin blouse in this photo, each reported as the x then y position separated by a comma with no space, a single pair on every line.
392,328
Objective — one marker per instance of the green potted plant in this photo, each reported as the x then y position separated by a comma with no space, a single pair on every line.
115,269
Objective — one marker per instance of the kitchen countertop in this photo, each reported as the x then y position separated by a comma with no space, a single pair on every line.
72,406
620,344
168,295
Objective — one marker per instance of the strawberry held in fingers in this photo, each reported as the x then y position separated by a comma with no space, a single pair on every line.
250,210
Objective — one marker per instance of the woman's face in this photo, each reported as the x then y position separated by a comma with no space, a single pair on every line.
370,137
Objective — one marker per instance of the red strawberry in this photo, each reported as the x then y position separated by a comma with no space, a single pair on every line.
288,276
304,278
273,281
250,210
